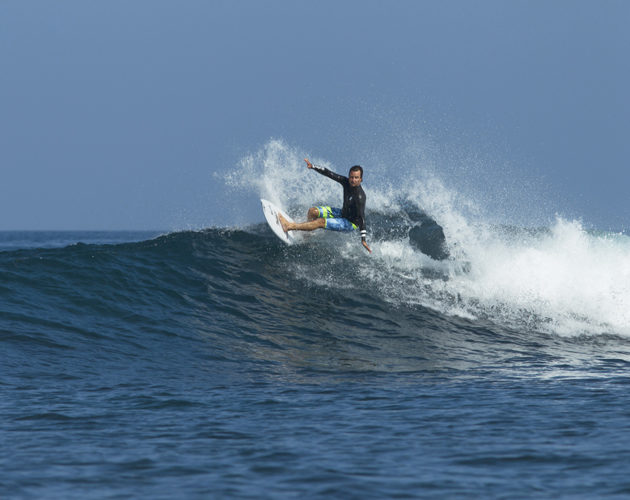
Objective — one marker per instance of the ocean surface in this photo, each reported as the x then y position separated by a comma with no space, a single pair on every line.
220,363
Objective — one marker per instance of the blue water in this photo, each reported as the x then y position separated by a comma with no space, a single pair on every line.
223,364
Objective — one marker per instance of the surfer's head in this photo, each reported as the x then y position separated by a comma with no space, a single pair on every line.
355,176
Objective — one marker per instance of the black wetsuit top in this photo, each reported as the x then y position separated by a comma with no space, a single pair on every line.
353,200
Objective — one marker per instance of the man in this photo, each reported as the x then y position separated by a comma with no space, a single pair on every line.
350,217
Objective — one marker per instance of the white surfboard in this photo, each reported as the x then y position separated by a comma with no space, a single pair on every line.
271,214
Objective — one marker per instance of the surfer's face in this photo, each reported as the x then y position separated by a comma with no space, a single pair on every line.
354,178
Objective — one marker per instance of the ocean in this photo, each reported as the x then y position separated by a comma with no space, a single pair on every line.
220,363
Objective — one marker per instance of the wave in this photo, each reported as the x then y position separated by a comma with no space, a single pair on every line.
558,278
240,303
556,281
240,296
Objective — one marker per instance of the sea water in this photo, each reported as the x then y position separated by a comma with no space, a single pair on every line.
220,363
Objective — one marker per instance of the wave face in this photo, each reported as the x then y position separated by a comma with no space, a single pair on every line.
241,289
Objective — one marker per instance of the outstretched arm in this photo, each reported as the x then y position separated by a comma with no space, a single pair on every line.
326,172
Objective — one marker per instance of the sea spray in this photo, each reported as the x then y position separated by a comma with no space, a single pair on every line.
573,281
560,279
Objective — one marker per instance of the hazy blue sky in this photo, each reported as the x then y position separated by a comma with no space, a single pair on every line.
116,113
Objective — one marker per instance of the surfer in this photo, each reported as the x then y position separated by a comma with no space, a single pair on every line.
348,218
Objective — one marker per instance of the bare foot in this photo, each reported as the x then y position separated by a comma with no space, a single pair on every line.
284,223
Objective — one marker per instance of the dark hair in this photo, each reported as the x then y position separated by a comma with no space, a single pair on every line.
359,168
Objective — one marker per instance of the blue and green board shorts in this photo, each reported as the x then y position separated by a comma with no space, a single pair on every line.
334,220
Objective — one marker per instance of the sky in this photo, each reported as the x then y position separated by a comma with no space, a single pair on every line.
125,114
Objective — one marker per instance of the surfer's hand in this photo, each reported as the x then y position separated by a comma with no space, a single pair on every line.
308,163
366,246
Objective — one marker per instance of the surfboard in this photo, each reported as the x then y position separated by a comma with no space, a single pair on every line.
271,215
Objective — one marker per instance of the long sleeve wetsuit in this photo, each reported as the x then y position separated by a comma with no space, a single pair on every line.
353,200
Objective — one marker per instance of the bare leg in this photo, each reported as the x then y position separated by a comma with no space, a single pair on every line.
310,225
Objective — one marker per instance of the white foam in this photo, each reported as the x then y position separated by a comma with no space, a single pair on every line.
571,281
